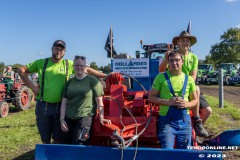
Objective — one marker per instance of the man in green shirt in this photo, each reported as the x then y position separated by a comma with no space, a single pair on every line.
190,66
53,73
175,92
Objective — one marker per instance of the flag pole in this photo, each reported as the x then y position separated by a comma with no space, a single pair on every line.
189,28
111,40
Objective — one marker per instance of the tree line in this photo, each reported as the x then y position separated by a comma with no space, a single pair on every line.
104,69
227,50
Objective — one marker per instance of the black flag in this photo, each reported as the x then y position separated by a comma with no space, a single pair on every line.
189,28
109,45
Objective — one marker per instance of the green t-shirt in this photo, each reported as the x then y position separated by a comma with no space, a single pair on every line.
54,79
161,84
81,96
190,63
9,74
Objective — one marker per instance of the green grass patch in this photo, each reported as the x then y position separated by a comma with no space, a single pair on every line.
224,118
19,134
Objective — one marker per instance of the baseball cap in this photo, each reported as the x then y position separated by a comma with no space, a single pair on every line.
59,43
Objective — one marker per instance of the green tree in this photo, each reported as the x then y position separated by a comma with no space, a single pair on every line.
106,69
17,65
200,61
2,65
228,50
94,65
208,60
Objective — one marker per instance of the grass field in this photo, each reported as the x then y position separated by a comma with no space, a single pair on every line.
18,131
18,135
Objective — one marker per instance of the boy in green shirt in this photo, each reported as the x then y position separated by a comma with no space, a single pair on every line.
175,92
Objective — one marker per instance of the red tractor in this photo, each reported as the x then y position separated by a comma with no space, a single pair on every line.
19,95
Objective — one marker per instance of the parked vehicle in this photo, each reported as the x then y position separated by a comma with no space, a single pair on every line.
229,70
19,95
203,71
235,79
212,78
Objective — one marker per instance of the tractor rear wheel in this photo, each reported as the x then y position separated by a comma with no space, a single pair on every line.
4,109
22,98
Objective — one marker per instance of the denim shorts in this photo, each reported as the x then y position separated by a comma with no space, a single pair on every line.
203,102
48,120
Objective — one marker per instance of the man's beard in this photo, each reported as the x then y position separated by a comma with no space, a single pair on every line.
57,57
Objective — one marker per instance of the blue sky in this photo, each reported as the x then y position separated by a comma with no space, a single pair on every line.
28,28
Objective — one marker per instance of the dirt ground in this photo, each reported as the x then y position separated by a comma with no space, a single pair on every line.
231,94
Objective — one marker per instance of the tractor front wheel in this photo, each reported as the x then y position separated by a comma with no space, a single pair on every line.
4,109
22,98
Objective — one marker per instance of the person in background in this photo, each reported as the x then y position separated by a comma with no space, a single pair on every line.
82,95
175,93
8,78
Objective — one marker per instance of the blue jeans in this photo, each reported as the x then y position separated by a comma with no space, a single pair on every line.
175,127
48,121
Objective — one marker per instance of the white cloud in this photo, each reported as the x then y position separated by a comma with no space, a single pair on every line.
238,26
231,1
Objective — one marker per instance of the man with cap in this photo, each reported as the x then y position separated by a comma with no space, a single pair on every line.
53,73
190,66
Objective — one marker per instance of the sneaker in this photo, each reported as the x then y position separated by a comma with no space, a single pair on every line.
199,142
198,127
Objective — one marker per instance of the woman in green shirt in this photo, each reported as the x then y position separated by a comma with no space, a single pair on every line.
82,95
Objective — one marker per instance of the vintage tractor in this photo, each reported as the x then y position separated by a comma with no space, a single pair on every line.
203,71
19,95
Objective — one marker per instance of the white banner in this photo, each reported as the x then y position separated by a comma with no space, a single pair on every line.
135,67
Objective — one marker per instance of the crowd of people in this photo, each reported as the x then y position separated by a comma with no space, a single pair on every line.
65,106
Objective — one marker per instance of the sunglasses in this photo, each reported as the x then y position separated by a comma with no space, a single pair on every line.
80,57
